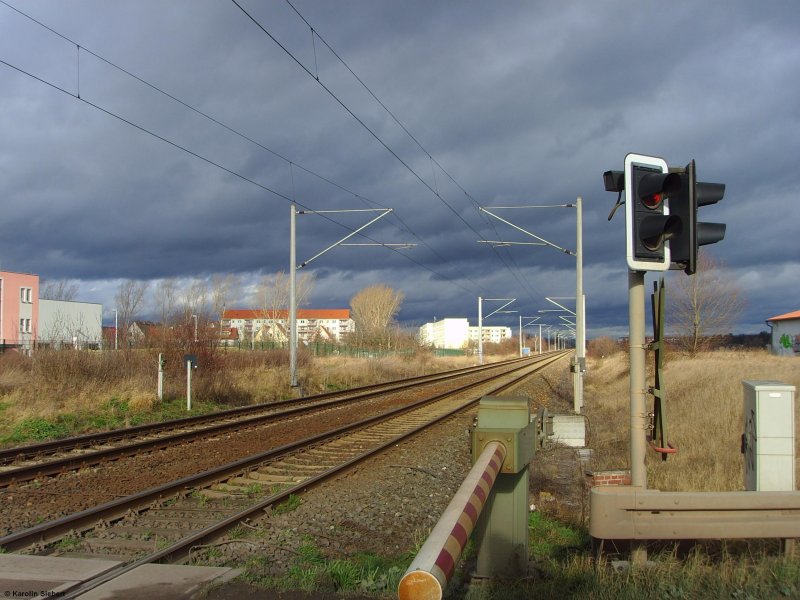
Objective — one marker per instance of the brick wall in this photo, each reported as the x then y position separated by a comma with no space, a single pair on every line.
613,477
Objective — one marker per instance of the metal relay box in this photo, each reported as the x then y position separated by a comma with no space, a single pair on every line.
768,442
505,420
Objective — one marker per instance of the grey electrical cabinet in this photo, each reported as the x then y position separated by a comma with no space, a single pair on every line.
768,442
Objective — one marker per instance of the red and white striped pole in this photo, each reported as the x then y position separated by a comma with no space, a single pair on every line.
435,563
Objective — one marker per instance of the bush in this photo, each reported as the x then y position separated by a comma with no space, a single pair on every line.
37,429
602,347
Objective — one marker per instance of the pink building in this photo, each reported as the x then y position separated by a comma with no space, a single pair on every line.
19,309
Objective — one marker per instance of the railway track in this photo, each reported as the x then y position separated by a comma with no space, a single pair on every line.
26,463
167,522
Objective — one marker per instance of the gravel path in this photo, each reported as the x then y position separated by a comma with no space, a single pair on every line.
388,505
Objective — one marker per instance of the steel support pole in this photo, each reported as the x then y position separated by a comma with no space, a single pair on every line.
638,383
520,336
540,338
292,297
580,317
480,330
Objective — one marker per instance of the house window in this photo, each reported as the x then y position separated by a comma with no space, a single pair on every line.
22,325
25,295
27,325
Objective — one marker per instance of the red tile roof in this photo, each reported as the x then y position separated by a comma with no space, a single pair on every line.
790,315
302,313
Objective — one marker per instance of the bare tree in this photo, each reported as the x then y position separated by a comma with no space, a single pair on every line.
165,296
130,300
273,292
704,306
195,299
374,309
224,289
59,289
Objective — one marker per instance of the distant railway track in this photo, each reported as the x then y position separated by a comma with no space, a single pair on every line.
25,463
169,522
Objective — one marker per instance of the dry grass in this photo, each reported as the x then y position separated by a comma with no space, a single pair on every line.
704,415
57,393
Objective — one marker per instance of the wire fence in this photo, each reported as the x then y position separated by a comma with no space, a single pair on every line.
30,345
314,348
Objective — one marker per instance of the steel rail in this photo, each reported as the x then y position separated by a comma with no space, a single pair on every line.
71,463
183,547
8,455
52,530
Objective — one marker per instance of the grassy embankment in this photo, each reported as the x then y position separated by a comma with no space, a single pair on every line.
55,394
704,416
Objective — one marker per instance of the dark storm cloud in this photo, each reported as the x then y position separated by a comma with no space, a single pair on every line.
520,103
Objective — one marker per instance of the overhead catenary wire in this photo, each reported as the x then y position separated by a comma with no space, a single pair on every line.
211,162
291,163
403,226
394,117
370,130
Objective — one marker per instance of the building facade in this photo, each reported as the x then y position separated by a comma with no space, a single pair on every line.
491,335
19,309
451,334
76,324
313,324
785,333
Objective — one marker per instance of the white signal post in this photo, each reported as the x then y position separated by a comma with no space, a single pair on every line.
160,376
116,328
188,385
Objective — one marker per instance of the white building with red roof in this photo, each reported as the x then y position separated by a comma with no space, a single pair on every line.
313,324
786,333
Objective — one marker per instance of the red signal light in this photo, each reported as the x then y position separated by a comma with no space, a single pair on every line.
652,201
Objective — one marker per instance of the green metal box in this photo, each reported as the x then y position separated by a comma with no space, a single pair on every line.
505,420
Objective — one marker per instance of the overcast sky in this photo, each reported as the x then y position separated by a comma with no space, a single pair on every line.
516,102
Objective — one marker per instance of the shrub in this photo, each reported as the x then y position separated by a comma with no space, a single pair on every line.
602,347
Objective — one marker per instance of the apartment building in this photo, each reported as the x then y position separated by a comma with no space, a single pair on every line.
313,324
491,335
19,309
451,334
69,323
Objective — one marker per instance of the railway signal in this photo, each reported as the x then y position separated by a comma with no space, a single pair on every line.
648,222
684,203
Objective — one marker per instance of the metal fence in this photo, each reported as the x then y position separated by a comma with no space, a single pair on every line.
30,345
314,348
